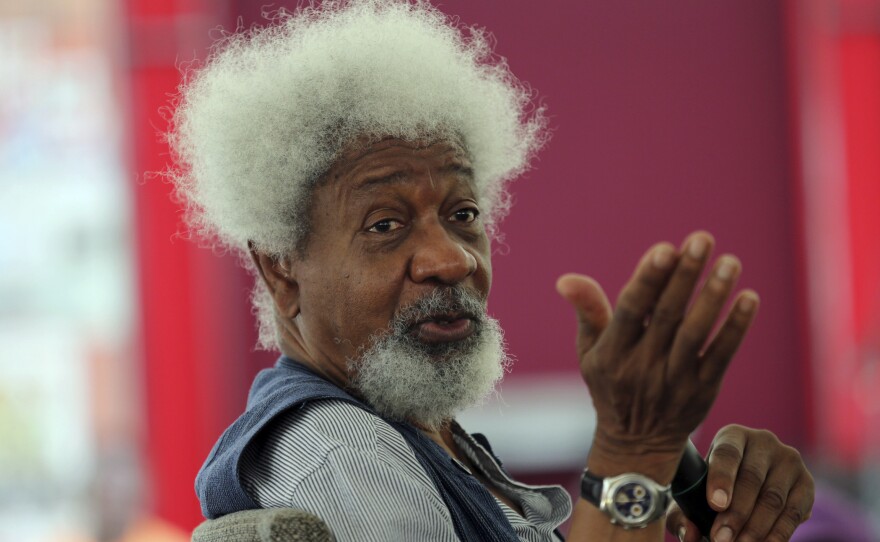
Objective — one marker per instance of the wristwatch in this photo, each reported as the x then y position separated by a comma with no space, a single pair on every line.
631,500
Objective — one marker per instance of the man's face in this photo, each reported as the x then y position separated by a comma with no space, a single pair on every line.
393,224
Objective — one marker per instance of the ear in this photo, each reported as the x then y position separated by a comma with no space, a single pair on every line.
278,277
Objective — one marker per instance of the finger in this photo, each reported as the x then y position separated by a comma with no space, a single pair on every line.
680,526
737,472
669,312
779,494
640,294
768,505
725,458
722,348
591,305
798,508
694,331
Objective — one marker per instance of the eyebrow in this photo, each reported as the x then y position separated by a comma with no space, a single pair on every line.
400,176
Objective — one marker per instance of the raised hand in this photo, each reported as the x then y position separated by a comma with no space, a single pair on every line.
651,364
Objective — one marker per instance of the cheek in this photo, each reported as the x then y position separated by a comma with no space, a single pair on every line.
368,298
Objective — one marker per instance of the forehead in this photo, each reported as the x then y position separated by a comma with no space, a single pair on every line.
387,160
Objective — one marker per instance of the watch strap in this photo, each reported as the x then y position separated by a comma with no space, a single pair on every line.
591,488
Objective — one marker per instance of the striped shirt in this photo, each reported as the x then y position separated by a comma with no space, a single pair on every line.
357,473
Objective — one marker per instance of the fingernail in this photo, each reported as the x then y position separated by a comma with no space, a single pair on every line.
726,268
697,247
719,498
663,257
746,303
724,535
682,531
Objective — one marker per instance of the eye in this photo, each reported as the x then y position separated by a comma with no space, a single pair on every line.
466,215
385,226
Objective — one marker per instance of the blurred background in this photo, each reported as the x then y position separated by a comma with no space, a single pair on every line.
125,349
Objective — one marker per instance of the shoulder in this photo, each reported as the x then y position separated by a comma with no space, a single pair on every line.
350,468
324,425
323,437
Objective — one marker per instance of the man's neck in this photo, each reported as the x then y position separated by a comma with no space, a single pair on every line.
328,371
443,437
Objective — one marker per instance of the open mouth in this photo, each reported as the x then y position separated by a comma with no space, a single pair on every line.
444,328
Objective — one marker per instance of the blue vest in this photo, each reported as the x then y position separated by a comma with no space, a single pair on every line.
475,513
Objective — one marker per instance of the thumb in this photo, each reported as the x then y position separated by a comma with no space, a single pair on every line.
591,305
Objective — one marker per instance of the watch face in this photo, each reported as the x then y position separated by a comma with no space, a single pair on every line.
632,503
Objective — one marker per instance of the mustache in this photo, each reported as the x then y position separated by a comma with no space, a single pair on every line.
445,303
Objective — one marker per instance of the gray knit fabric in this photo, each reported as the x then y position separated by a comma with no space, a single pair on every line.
266,525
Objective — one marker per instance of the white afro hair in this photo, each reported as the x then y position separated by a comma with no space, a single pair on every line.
258,125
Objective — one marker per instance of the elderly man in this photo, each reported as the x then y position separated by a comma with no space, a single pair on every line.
356,156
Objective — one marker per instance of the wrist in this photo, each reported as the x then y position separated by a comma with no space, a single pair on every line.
612,457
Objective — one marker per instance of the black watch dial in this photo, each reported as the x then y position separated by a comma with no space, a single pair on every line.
633,502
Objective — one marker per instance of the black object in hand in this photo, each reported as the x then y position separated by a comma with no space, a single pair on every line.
689,489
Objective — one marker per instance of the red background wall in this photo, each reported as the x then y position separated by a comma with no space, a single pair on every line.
669,118
666,117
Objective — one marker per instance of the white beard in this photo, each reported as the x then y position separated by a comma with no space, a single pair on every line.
405,379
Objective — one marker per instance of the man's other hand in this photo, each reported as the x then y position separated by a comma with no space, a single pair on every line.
760,488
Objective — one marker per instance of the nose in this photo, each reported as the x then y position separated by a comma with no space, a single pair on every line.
440,257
